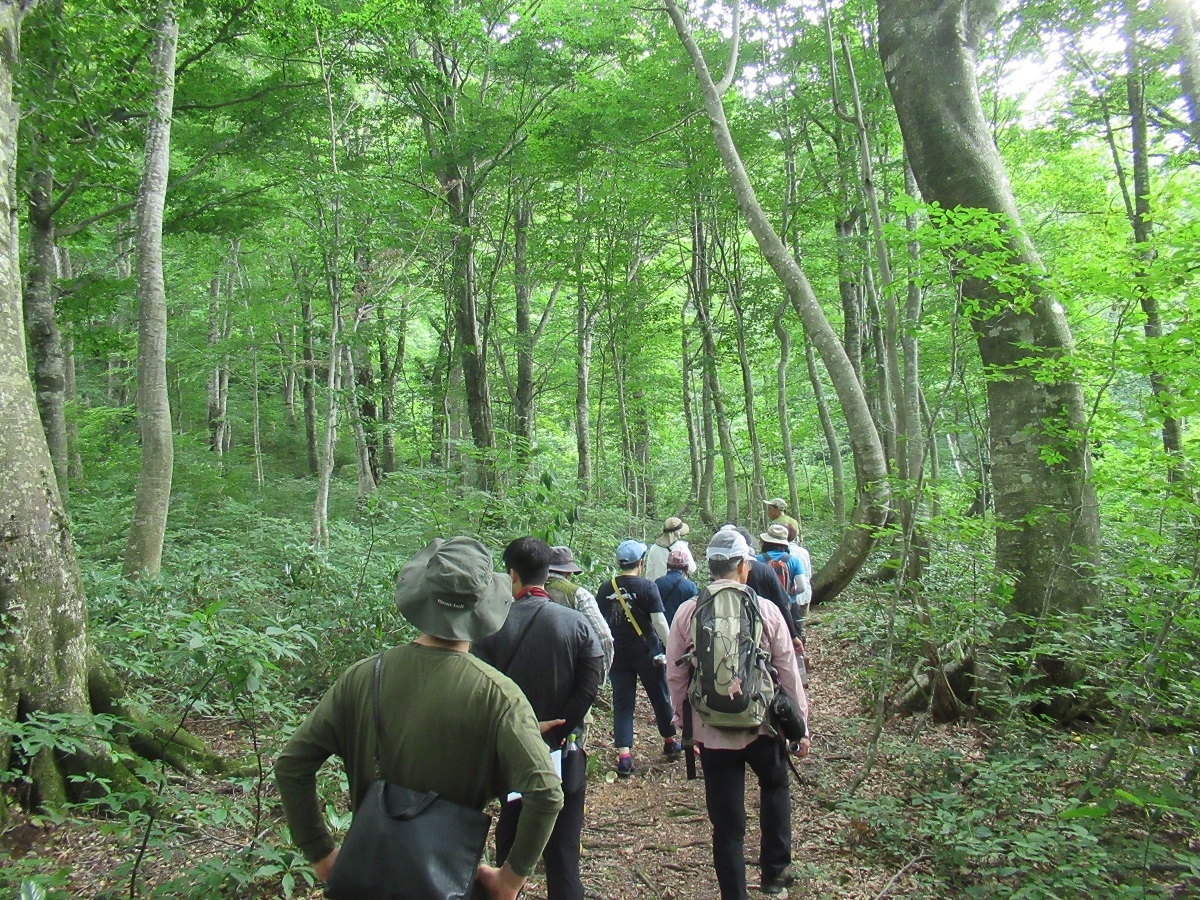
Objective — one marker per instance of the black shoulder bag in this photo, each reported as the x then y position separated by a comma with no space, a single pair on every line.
405,844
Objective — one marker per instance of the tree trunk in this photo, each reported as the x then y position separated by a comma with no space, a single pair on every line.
708,433
308,379
702,298
143,550
47,665
833,449
1183,20
585,323
1142,222
45,340
1048,531
850,293
758,485
218,375
689,413
785,427
523,288
389,369
871,511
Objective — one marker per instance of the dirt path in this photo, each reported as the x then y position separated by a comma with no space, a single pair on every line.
649,836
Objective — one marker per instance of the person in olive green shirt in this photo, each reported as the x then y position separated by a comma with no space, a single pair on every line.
452,724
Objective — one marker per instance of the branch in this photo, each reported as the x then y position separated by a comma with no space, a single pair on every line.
724,83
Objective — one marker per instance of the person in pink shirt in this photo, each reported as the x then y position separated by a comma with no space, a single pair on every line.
725,753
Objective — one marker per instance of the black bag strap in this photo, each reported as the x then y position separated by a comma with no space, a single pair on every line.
378,717
675,589
521,636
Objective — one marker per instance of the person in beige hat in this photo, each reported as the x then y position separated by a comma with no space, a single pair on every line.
672,537
454,725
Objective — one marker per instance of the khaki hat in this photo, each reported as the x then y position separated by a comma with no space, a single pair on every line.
450,590
777,502
775,534
676,525
563,560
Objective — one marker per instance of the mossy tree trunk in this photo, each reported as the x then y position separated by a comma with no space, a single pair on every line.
1045,502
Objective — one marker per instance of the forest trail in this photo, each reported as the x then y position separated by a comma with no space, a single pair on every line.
645,837
649,837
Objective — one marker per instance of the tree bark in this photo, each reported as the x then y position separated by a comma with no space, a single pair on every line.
45,340
785,427
1141,220
832,447
308,379
143,550
523,289
1045,502
689,412
701,269
871,511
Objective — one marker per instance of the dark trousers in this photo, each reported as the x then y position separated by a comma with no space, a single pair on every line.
624,676
561,855
725,797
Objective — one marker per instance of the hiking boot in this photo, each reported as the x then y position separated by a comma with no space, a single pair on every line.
779,883
624,766
672,749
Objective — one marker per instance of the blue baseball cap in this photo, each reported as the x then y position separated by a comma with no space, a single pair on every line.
629,552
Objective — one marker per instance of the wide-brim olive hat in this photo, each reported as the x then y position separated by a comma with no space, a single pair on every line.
451,590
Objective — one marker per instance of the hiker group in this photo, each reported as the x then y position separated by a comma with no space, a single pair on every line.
507,667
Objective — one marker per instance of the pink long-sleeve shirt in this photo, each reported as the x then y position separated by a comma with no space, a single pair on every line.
775,640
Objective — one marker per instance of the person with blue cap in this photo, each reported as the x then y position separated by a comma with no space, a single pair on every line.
633,609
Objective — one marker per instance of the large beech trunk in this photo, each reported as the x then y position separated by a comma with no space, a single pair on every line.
143,550
1044,499
872,508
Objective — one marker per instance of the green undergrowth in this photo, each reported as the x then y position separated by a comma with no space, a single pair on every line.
244,629
1106,804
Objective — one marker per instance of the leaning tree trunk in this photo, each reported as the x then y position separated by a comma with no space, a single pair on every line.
871,511
1044,499
143,550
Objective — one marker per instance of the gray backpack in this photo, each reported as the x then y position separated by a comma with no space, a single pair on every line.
731,685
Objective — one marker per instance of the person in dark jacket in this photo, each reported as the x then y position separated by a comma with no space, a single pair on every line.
554,656
763,581
675,587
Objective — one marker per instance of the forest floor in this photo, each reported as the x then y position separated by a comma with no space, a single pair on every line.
644,837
